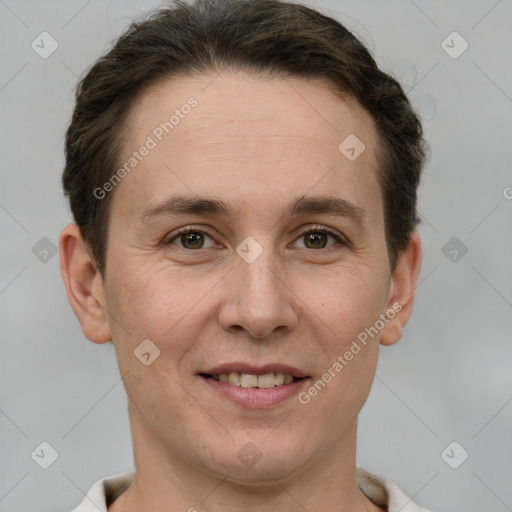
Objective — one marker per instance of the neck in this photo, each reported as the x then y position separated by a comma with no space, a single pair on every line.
165,483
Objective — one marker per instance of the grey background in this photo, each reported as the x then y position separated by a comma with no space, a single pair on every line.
448,379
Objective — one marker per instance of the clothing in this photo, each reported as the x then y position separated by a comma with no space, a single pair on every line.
381,491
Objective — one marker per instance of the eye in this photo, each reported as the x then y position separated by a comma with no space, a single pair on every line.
317,238
190,238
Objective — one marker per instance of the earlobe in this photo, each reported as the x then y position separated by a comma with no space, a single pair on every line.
84,285
403,284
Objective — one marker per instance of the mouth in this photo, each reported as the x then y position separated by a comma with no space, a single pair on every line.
255,386
252,380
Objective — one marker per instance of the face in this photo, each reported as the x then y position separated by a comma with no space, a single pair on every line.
284,265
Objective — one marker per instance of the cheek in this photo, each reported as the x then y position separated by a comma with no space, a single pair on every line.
159,304
349,349
346,301
148,299
346,313
146,306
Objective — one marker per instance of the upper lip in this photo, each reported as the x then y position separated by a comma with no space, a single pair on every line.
255,370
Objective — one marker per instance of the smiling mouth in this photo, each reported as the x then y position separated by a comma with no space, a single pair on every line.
251,380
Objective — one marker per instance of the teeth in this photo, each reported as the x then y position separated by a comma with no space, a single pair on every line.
234,378
247,380
279,377
268,380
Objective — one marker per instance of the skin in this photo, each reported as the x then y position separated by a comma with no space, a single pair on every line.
256,144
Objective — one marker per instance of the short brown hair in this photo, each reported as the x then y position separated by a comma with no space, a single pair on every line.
263,37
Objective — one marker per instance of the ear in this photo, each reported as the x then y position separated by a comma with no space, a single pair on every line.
84,285
401,294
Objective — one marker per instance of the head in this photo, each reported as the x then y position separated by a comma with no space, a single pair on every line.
236,119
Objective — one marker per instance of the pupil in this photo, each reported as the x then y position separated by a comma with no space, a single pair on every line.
315,237
192,239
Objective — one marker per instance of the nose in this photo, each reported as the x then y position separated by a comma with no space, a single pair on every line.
259,298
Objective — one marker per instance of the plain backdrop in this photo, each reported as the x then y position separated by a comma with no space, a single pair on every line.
448,380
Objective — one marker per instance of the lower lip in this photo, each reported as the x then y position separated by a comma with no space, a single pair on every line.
256,397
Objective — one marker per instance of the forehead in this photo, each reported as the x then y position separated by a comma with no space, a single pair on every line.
250,137
288,106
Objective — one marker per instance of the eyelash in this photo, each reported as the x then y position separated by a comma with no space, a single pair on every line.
344,242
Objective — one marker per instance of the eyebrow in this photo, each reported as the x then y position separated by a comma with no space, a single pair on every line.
182,205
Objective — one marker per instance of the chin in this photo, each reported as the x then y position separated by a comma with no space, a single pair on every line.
252,458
